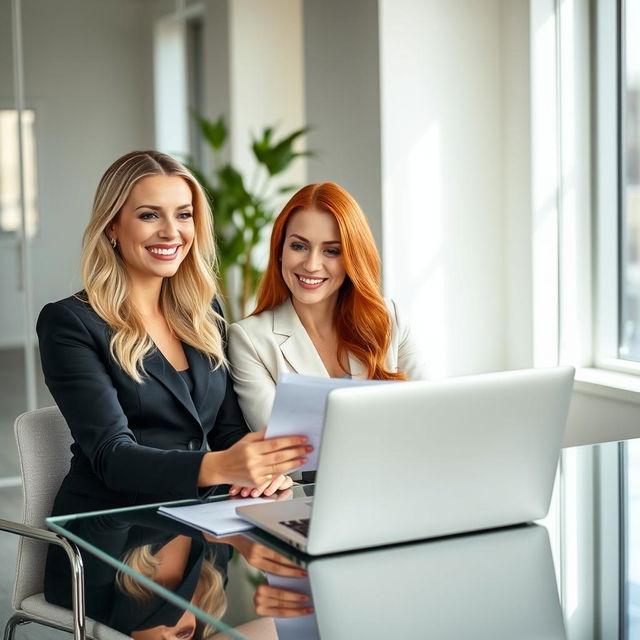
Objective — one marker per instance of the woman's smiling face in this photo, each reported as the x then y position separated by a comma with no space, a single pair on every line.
155,229
312,262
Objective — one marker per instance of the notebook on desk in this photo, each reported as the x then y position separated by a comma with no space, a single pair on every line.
418,460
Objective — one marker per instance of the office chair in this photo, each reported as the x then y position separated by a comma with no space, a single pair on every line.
43,440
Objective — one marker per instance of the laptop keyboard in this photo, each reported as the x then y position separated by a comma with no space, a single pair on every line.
300,526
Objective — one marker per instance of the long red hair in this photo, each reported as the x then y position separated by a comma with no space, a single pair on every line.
362,319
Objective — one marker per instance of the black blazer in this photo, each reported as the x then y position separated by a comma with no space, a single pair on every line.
133,443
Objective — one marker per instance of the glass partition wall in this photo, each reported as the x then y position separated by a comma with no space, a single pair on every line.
18,212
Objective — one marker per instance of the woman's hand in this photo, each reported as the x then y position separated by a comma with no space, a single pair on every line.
281,603
259,556
268,488
253,461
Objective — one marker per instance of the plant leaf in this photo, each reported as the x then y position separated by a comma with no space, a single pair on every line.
277,157
287,188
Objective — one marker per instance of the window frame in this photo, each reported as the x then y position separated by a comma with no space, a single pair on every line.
609,172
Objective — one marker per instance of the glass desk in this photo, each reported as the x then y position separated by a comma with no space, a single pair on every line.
149,576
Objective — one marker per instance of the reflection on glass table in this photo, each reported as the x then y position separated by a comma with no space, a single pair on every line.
151,577
148,556
496,585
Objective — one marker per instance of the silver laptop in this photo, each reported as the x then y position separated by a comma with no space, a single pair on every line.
413,460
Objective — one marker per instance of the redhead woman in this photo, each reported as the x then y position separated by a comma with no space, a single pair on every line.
320,311
136,361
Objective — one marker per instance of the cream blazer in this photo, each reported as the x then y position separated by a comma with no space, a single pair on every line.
262,347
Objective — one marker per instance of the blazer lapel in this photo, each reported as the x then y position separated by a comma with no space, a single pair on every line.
157,366
297,347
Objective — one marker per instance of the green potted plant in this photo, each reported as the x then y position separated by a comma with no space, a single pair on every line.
243,212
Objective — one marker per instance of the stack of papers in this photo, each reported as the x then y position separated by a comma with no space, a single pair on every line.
218,518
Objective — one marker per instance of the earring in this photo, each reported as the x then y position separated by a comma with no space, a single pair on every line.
114,242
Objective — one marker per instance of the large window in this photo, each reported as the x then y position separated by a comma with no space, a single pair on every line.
629,332
629,288
616,339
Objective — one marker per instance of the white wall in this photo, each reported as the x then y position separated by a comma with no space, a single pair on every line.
266,77
443,142
217,99
516,183
342,94
88,75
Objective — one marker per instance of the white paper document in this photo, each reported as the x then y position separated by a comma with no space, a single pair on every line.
218,518
299,408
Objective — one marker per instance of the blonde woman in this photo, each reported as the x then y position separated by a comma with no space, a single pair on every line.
136,360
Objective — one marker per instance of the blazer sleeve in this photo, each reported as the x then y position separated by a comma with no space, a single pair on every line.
83,390
410,359
252,381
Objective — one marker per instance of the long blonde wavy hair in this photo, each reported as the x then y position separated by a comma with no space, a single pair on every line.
212,598
185,298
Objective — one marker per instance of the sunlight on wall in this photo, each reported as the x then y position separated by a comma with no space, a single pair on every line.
575,204
415,243
442,173
425,243
544,184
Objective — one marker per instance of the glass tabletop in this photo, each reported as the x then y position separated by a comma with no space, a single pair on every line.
150,576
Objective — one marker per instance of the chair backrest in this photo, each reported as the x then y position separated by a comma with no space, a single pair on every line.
44,441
